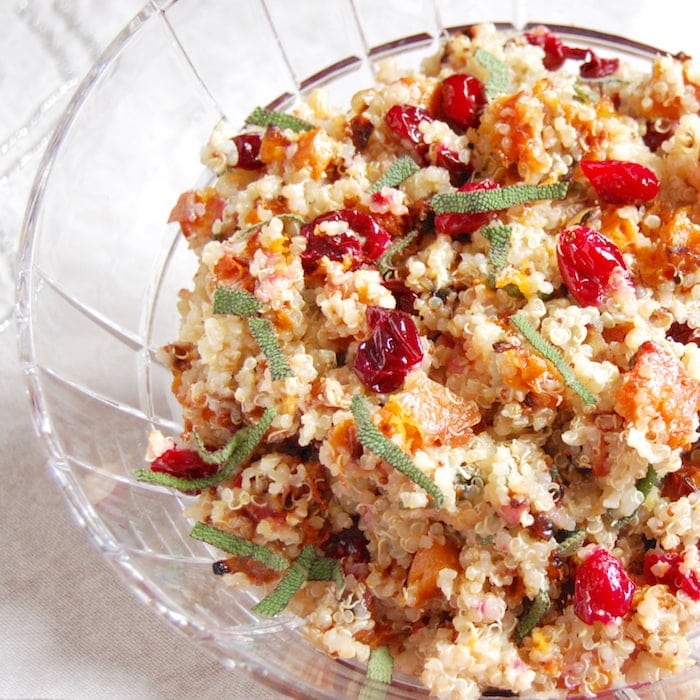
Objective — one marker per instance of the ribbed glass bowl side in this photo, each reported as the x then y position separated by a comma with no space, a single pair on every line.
99,273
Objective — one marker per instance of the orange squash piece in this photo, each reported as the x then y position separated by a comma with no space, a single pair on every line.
422,582
658,386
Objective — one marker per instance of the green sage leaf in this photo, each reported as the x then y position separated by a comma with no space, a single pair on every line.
375,441
266,117
550,353
398,171
239,546
537,610
279,598
476,201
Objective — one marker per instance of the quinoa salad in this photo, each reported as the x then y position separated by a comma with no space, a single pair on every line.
439,367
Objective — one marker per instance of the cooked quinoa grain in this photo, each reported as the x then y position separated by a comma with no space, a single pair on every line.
514,501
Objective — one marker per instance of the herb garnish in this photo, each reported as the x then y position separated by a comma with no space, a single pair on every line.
476,201
398,171
497,82
238,302
240,447
307,567
499,237
550,353
383,262
537,610
380,669
266,117
571,544
375,441
238,546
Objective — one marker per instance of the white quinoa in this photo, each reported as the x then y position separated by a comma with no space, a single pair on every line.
444,588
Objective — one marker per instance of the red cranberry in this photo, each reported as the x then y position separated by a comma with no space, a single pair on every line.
586,261
184,464
596,67
405,297
404,121
392,350
676,580
602,589
458,224
462,99
555,51
373,239
683,333
447,158
248,147
621,182
654,137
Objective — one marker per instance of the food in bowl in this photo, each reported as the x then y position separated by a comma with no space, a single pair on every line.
439,368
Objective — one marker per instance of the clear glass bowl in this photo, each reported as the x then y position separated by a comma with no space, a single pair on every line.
99,270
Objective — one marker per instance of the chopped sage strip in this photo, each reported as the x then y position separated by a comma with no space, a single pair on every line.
497,82
267,117
583,95
277,600
398,171
244,447
374,440
499,237
644,486
238,302
646,483
383,262
537,610
380,670
285,217
241,303
571,544
550,353
238,546
475,201
326,569
264,332
222,455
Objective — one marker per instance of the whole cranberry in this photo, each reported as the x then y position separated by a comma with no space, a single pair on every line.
462,99
248,147
621,182
392,350
587,259
603,590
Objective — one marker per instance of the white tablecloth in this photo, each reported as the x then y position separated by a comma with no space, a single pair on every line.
69,629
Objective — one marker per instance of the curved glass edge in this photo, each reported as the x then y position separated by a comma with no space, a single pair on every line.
82,509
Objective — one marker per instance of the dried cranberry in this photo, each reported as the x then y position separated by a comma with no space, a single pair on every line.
555,51
405,297
459,172
621,182
655,136
462,99
184,464
668,572
350,546
373,239
458,224
248,147
596,67
602,589
405,120
683,333
392,350
586,262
